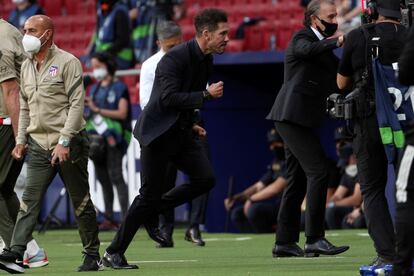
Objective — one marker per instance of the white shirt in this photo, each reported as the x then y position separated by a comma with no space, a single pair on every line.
147,75
318,34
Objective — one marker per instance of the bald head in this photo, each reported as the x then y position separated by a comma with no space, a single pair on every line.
42,27
41,21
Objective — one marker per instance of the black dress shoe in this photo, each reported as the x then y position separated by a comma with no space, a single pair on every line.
116,261
287,250
323,247
193,235
168,240
155,234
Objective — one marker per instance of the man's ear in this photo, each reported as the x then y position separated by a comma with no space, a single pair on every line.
206,34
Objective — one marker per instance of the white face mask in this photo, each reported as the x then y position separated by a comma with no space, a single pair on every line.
100,73
17,2
32,44
351,170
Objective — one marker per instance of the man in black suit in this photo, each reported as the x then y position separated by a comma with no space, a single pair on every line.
310,72
164,130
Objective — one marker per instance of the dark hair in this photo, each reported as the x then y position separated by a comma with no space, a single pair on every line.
209,18
168,29
312,9
108,60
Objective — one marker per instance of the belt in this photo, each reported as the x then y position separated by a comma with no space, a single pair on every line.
5,121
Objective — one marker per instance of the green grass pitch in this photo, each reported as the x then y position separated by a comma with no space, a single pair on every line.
224,254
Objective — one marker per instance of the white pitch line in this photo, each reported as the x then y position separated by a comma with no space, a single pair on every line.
164,261
229,239
80,244
311,258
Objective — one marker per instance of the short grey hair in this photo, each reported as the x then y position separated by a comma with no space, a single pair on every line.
168,29
313,8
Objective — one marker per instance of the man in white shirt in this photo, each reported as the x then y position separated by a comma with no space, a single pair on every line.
169,35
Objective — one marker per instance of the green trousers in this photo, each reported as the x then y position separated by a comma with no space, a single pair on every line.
9,171
74,174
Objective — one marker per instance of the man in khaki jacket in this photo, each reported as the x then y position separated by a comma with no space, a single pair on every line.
51,128
11,58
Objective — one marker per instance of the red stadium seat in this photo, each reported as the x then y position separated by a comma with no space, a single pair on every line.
130,80
284,34
89,23
188,32
6,8
254,38
235,45
71,6
53,7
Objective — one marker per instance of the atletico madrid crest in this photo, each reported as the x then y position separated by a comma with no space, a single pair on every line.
53,70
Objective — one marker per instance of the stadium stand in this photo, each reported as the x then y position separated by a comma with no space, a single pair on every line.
76,21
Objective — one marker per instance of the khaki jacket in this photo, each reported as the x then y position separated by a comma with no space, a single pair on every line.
11,57
51,99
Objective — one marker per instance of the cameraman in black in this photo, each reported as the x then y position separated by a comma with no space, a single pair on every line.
404,221
355,70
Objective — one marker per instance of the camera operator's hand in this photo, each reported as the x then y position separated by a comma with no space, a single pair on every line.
341,41
201,132
216,89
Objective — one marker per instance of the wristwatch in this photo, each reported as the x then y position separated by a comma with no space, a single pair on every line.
64,142
207,95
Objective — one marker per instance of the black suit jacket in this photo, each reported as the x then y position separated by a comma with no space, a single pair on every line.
309,77
180,79
406,61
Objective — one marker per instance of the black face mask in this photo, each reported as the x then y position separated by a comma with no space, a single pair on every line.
330,28
279,153
344,152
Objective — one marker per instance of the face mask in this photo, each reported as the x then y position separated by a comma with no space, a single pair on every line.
32,44
17,2
330,28
100,73
279,153
351,170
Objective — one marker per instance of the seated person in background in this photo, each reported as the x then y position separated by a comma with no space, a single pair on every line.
24,9
347,196
257,213
355,219
336,167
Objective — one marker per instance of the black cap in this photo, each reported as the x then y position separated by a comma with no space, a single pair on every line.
273,136
389,8
342,133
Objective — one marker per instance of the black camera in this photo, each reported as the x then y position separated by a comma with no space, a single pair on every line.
335,106
339,106
370,12
407,10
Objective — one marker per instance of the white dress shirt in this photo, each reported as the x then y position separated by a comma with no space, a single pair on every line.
318,34
147,75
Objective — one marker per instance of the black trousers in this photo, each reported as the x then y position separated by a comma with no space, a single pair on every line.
372,172
261,217
335,215
307,173
404,221
198,205
177,145
109,173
